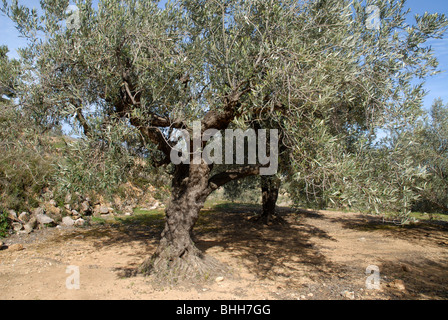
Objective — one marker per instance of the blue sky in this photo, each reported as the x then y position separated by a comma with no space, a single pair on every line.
437,86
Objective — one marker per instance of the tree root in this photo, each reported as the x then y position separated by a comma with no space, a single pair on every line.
191,267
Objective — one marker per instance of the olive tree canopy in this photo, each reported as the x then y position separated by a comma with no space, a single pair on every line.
317,70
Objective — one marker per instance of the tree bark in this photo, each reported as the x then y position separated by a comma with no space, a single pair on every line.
269,187
177,257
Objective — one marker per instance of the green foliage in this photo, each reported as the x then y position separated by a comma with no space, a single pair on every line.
33,158
4,224
312,69
247,190
432,152
330,139
100,165
25,165
376,179
25,161
88,167
9,72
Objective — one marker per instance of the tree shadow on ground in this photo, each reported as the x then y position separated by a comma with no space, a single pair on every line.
283,252
424,232
280,251
141,231
424,277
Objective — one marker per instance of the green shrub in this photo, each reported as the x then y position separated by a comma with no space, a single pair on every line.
4,224
26,164
247,190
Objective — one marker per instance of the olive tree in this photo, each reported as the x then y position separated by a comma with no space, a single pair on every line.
313,69
430,151
26,156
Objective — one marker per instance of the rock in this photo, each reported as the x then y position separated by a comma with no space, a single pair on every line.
219,279
80,222
104,210
129,209
68,207
118,202
75,213
75,206
68,222
98,201
53,210
16,247
24,217
397,285
85,207
96,211
39,211
128,214
154,206
27,229
12,215
348,294
310,295
54,213
53,203
17,226
44,219
405,268
31,225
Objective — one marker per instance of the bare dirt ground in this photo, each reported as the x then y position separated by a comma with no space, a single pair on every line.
315,255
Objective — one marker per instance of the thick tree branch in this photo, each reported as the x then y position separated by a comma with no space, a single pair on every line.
227,176
153,134
134,98
221,120
80,118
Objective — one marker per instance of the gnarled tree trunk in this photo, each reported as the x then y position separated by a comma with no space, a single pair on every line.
177,256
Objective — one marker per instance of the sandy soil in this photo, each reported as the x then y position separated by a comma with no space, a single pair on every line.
315,255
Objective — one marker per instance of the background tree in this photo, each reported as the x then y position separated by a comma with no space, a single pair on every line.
9,74
24,166
431,152
310,67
